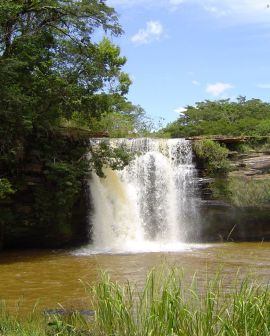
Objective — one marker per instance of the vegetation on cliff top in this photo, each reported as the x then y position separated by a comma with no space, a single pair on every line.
212,155
222,117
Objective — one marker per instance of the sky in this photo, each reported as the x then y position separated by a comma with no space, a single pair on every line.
184,51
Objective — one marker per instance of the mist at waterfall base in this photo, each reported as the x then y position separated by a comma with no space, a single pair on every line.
150,205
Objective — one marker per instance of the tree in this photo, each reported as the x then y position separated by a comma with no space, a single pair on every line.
52,66
225,117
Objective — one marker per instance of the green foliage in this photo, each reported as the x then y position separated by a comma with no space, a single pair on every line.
55,69
103,155
52,68
266,146
37,324
249,192
213,156
242,191
54,201
263,127
64,167
223,117
115,124
5,188
167,306
121,121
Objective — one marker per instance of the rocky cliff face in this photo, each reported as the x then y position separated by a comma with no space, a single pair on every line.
255,164
237,207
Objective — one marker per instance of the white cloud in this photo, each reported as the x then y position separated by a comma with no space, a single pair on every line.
218,88
264,86
152,32
196,83
180,110
176,2
238,10
217,11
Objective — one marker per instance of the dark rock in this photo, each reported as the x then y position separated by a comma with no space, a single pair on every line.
252,172
63,312
232,154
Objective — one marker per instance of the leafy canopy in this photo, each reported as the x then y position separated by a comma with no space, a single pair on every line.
53,65
225,117
58,65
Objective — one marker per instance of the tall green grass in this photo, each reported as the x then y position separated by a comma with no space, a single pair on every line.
39,324
165,306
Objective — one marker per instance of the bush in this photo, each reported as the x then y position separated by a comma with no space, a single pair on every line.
242,191
213,156
5,188
249,193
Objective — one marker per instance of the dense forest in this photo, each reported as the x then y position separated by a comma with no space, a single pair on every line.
222,117
59,84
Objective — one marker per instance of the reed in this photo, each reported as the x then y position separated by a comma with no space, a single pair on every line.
164,306
39,324
167,307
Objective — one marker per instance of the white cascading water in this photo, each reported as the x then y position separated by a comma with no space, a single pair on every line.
149,205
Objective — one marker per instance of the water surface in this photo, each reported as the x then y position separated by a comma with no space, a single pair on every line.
56,277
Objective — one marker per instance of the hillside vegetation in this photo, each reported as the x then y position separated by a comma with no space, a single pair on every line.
222,117
56,74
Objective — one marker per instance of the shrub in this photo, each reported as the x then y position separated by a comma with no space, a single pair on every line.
213,156
5,188
249,193
242,191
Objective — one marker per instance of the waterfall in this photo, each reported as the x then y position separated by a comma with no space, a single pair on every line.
150,205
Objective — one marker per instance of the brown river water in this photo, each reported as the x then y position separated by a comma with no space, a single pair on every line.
56,277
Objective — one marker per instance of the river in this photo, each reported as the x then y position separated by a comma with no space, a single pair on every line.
50,278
